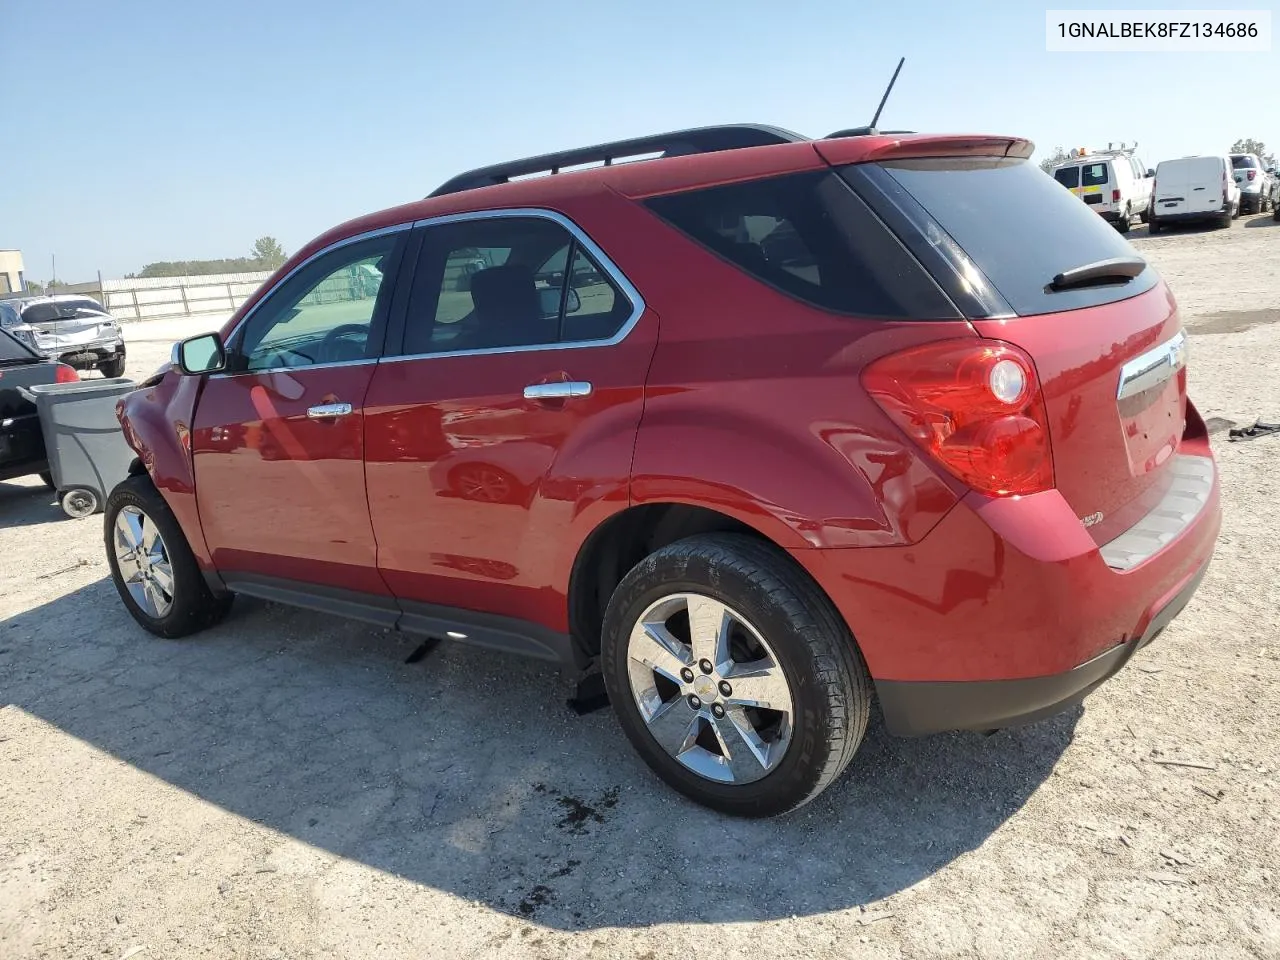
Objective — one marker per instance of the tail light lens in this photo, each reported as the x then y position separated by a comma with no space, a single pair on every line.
1115,196
975,406
65,374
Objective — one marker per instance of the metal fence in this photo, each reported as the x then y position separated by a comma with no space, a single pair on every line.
153,298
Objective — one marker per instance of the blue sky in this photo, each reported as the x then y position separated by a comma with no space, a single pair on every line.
142,130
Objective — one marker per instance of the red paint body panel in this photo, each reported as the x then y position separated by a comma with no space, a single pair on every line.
279,494
1003,589
157,424
480,498
1108,458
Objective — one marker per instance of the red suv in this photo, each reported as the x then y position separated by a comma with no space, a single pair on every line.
755,428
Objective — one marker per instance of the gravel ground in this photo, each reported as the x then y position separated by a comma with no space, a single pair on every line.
288,786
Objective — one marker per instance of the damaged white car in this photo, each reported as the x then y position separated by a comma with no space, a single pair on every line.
69,328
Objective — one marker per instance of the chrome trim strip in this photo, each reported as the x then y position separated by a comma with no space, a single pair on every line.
1153,367
610,268
223,375
1177,509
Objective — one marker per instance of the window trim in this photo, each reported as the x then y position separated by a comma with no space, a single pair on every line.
581,240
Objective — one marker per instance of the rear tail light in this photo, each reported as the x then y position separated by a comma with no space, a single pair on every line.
1115,196
65,374
975,406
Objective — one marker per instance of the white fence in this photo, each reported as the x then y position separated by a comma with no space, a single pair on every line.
150,298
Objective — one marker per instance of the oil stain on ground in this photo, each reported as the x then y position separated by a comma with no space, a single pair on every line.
1233,321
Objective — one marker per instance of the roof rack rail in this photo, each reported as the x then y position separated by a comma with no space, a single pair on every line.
676,144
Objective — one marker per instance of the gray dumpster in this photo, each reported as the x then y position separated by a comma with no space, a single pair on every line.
82,437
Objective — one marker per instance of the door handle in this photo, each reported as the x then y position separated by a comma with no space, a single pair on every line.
558,390
328,411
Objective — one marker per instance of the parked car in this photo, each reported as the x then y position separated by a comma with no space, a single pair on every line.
1114,183
1254,182
1195,189
936,451
70,328
22,451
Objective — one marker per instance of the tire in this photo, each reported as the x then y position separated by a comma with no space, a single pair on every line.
113,368
1153,225
1125,221
780,613
1275,212
1145,215
79,502
191,605
46,478
1227,219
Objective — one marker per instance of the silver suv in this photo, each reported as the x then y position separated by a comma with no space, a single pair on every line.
1254,181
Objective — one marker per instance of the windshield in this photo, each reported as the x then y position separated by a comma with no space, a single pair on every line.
48,311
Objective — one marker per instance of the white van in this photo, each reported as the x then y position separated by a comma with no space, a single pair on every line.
1195,188
1114,183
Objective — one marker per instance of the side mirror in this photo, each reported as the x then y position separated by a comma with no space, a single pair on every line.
198,355
1151,173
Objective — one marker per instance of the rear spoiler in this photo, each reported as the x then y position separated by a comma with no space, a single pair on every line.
871,149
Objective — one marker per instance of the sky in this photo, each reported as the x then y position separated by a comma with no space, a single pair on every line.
141,130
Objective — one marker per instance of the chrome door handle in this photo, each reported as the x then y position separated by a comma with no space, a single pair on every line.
327,411
558,390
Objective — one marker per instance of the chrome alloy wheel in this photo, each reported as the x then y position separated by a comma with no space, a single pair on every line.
144,562
709,688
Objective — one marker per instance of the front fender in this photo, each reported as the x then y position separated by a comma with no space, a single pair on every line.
156,421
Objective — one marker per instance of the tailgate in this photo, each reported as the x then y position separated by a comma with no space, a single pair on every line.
1115,389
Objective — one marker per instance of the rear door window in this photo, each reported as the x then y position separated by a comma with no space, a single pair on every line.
810,237
1094,174
982,205
1244,163
1068,176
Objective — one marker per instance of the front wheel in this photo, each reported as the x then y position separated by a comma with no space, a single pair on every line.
152,565
733,675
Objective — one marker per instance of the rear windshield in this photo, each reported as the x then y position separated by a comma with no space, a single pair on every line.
1093,174
809,236
60,310
1244,163
1067,176
985,204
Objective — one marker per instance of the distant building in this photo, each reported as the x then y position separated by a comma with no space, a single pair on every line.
12,278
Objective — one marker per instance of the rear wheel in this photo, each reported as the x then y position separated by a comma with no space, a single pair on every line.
79,502
1145,215
113,368
152,565
1125,221
1275,212
733,675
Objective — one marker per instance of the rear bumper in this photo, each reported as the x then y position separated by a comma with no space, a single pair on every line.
916,708
1189,217
1008,610
87,355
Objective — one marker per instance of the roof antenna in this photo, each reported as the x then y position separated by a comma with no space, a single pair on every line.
871,131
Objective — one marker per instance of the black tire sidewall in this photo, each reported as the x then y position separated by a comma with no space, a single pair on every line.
193,605
796,776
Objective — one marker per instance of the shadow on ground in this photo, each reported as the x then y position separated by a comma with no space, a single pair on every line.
27,503
467,773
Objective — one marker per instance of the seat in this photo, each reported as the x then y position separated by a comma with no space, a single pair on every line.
508,312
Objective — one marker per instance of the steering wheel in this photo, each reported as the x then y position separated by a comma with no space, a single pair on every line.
346,331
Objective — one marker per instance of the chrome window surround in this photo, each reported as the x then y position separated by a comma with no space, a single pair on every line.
607,266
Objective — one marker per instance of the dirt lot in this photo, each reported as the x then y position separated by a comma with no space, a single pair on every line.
288,786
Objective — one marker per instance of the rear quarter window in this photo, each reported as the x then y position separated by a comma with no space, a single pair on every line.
1019,229
809,236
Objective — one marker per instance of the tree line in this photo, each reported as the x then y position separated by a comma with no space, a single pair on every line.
267,254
